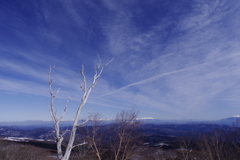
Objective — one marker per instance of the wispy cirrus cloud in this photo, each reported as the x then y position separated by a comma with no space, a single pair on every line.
198,47
175,59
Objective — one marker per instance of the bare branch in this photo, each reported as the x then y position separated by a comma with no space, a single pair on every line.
79,144
65,109
89,116
64,132
81,86
83,122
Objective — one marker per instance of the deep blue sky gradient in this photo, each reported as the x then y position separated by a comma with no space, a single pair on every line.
172,59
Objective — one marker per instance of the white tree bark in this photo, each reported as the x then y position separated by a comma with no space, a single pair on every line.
86,92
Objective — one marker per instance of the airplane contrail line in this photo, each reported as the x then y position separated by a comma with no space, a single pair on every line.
168,73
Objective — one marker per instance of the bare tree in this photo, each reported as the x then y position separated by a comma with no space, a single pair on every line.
95,135
185,149
82,152
119,140
124,135
213,147
86,92
20,151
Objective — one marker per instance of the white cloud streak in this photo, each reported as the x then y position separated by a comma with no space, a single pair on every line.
170,73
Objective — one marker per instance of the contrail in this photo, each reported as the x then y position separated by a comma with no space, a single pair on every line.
149,80
169,73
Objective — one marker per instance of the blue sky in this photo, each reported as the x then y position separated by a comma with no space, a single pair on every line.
172,59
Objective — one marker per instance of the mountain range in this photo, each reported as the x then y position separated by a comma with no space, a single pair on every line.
235,120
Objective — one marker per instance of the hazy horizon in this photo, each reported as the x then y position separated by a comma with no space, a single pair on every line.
144,118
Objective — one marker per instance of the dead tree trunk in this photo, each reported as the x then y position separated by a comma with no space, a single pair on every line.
86,92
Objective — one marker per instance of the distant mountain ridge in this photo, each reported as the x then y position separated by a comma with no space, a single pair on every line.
231,121
38,123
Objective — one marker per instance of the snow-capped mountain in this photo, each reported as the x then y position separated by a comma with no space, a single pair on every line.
231,121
